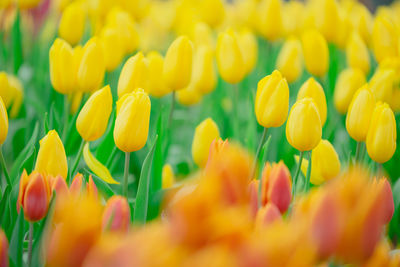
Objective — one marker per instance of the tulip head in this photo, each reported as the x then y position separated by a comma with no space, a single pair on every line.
249,49
357,53
315,52
72,23
290,60
168,177
206,132
3,122
359,114
204,75
348,82
385,41
269,15
272,100
327,18
93,118
313,89
116,215
267,215
51,158
92,67
229,57
113,47
381,84
381,137
133,75
59,185
132,122
157,86
177,68
3,249
303,127
188,96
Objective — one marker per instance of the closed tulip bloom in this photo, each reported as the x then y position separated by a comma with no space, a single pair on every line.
93,118
92,67
381,84
3,249
133,75
168,177
362,22
51,158
357,53
327,18
5,90
385,41
290,60
116,215
272,100
229,57
249,48
132,122
381,137
156,86
204,75
59,186
303,127
77,184
72,23
315,52
206,132
17,91
212,11
188,96
3,122
202,35
359,114
267,215
348,82
270,23
293,17
114,48
313,89
178,63
63,71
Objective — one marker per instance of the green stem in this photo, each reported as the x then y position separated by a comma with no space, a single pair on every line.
3,164
76,162
111,157
260,145
171,113
297,173
30,244
126,174
235,107
358,151
66,117
308,176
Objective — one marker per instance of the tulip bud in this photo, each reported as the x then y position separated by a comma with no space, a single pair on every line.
72,23
303,127
132,122
249,49
51,158
212,11
229,57
359,114
315,52
77,184
381,84
357,53
203,76
5,90
178,63
92,67
270,23
385,42
59,185
293,17
91,188
327,18
168,177
93,118
206,132
3,249
157,87
381,137
63,71
276,186
216,147
17,90
133,75
188,96
3,122
116,215
361,20
348,82
313,89
290,60
272,100
113,47
267,215
202,35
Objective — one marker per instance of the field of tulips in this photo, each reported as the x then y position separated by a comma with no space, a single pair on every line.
216,133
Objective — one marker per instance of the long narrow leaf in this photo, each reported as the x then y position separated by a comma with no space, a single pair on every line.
17,240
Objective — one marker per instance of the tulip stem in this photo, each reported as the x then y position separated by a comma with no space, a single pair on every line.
3,164
30,244
260,145
308,176
358,150
171,112
297,173
76,162
66,114
126,174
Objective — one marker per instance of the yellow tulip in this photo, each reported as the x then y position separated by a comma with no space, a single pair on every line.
204,75
188,96
385,41
362,22
3,122
359,114
132,122
93,118
249,48
168,177
206,132
316,53
303,127
76,99
357,53
327,18
381,137
72,23
26,4
211,11
348,82
293,17
312,88
270,23
290,60
157,86
114,48
5,90
381,84
11,92
229,57
133,75
202,35
51,158
63,71
92,67
272,100
178,63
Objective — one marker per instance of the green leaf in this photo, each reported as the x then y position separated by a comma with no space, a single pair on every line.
142,197
17,240
396,194
16,43
3,205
